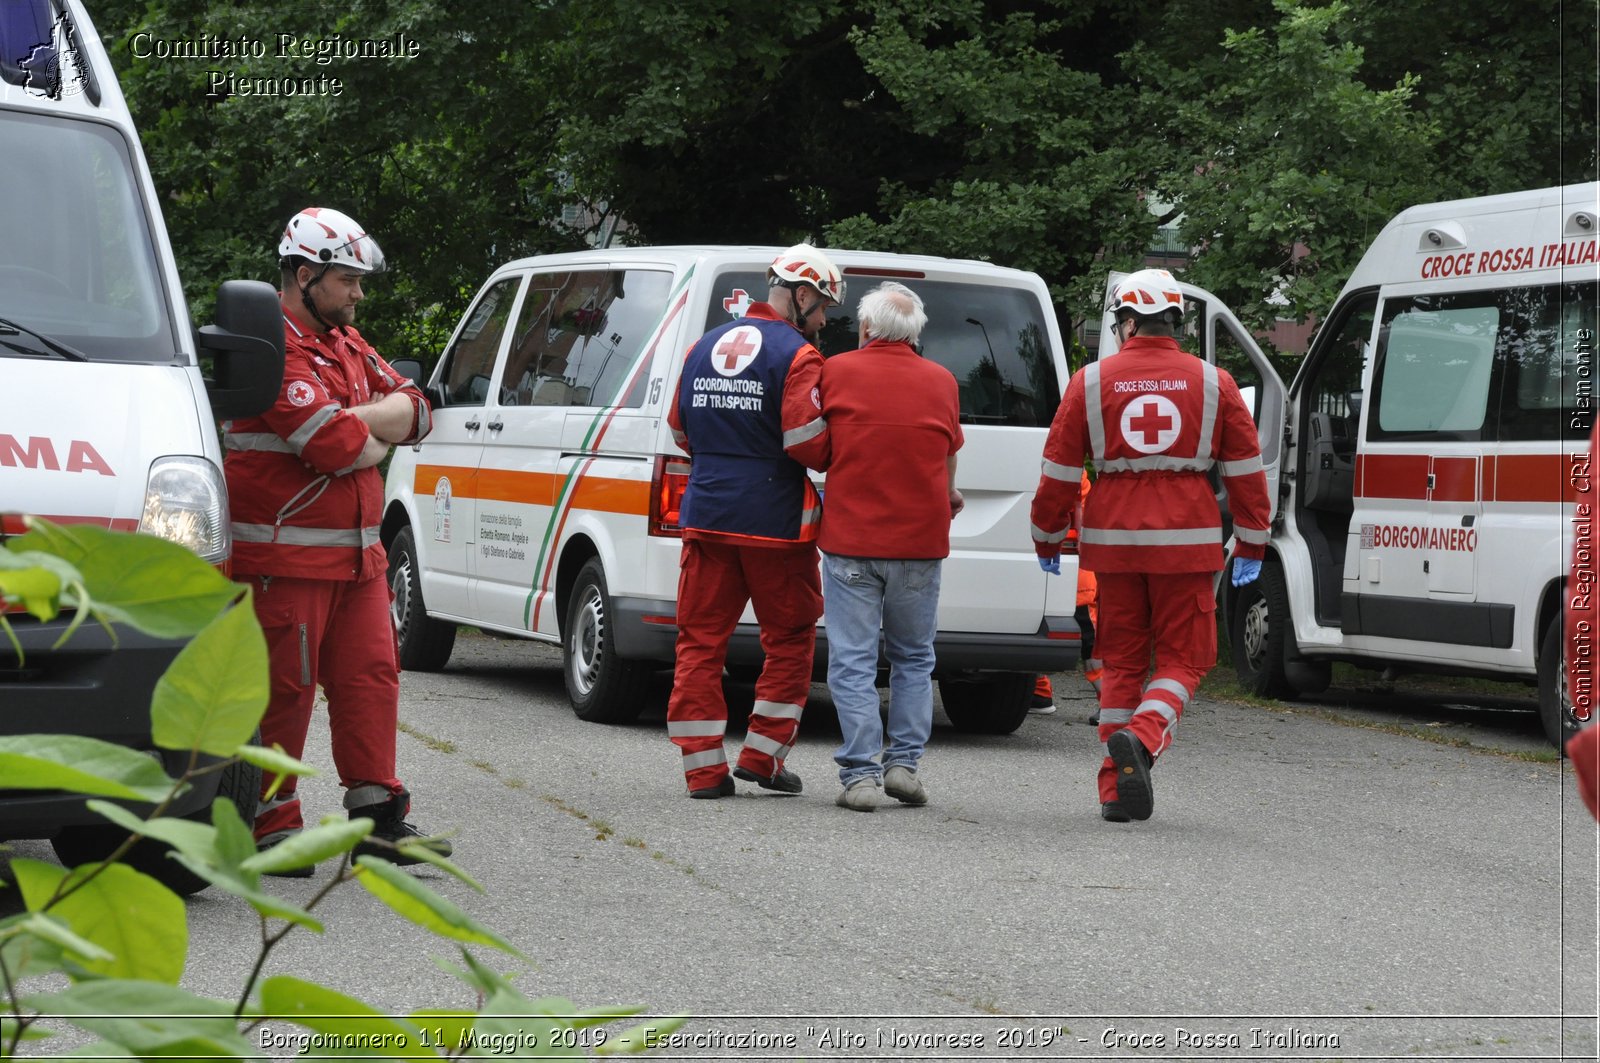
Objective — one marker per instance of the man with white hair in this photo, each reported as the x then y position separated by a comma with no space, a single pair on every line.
893,429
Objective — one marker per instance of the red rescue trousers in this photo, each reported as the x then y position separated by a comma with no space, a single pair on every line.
716,580
1171,616
337,633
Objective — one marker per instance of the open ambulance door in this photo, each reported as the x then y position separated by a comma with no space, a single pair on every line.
1212,332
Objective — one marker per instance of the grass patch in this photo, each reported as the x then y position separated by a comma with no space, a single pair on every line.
1223,685
438,745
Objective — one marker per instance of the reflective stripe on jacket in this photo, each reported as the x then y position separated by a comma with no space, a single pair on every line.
1154,420
299,507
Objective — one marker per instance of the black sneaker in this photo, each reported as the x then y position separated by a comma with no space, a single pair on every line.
1113,812
785,782
1132,762
724,788
389,829
289,872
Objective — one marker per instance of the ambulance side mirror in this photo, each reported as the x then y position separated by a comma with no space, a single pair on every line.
245,348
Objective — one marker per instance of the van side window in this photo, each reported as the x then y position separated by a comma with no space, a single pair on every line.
469,363
580,333
1549,362
992,338
1435,354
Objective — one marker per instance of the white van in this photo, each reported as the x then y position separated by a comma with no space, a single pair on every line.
544,502
1424,520
108,419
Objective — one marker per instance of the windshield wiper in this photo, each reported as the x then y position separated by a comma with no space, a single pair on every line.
56,347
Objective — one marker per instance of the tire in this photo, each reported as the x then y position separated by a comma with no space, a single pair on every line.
602,687
74,846
1555,712
989,703
1260,635
425,643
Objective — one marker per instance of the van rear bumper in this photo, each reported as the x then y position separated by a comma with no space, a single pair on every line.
646,629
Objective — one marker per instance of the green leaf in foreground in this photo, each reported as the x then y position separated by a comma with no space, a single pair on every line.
138,922
157,586
416,902
149,1019
274,760
215,691
327,1011
82,765
310,847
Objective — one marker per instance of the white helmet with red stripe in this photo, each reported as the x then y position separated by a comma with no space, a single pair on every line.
804,264
1148,293
330,238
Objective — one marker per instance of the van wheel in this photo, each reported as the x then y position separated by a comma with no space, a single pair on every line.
89,844
990,703
1555,711
425,643
602,687
1259,633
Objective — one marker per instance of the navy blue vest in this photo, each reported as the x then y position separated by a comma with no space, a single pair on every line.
730,402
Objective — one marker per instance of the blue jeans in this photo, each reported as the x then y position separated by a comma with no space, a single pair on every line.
860,596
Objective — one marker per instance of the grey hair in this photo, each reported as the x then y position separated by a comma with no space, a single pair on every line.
891,311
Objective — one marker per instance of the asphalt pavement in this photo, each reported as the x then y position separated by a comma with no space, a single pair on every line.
1312,885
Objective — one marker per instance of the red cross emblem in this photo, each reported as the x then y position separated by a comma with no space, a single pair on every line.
738,303
736,350
1151,423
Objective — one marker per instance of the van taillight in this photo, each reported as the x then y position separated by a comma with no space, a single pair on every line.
667,485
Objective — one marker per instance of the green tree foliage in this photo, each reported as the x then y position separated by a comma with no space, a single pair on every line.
1285,164
445,157
1054,135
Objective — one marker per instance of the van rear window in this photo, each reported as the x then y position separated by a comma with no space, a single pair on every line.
992,338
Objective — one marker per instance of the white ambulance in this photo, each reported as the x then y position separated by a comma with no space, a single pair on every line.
544,502
107,416
1432,440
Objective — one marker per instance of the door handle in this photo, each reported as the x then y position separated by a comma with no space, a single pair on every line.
474,424
496,424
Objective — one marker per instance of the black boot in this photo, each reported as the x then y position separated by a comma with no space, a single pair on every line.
390,828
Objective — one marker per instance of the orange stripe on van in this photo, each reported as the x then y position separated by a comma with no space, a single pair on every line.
504,485
613,496
599,494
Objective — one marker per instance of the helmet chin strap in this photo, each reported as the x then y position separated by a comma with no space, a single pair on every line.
311,303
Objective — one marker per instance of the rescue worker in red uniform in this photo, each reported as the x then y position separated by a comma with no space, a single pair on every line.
747,400
307,501
1154,420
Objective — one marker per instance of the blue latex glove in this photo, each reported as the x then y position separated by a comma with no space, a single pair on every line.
1245,570
1051,565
